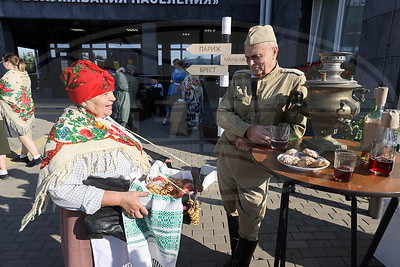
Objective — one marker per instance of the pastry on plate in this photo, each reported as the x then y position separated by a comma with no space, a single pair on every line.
291,151
305,161
289,159
311,153
320,162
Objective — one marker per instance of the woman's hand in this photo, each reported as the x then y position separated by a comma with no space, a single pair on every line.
128,201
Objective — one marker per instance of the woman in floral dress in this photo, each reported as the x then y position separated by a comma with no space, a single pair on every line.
16,107
193,91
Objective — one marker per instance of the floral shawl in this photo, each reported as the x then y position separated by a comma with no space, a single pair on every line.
77,135
16,104
192,86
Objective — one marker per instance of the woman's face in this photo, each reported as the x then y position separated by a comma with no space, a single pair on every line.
177,66
100,105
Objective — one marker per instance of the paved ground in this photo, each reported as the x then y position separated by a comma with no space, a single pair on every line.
318,233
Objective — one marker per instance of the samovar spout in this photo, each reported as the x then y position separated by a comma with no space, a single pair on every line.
354,110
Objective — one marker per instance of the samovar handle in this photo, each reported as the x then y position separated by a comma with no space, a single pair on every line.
362,92
297,98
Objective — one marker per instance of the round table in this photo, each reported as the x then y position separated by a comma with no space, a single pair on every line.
364,183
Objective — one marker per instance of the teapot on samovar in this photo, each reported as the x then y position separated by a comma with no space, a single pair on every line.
331,103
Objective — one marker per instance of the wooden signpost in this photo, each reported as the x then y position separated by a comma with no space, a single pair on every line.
223,49
213,70
209,49
233,59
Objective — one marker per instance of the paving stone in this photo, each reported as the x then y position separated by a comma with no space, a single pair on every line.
26,238
314,252
202,232
9,246
302,236
36,254
226,248
336,252
15,263
319,244
331,261
262,254
259,263
325,235
212,225
32,245
305,261
12,254
43,262
214,240
296,244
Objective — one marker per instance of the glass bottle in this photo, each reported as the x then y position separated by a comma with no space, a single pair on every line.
372,121
383,151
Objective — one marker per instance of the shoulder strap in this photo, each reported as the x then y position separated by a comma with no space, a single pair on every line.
255,110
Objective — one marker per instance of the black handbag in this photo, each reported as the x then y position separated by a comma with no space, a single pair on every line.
107,220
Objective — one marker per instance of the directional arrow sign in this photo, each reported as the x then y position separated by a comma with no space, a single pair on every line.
214,70
209,49
233,59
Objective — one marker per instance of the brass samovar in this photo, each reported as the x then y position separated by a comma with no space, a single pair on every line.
331,103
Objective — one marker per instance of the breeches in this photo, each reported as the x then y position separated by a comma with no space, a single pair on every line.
243,187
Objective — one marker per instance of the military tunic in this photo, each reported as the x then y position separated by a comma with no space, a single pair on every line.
244,185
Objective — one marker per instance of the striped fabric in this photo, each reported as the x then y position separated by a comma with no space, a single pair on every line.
154,240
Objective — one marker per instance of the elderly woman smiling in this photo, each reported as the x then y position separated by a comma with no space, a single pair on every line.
86,142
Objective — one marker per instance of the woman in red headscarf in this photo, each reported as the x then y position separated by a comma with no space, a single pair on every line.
85,142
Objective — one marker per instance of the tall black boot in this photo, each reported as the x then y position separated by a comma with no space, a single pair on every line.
244,251
233,226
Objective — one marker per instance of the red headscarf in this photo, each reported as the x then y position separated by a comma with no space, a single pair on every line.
84,80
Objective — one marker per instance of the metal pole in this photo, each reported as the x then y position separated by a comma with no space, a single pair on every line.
224,80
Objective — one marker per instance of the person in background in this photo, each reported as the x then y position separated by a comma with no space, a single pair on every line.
155,94
254,99
17,109
193,91
4,150
177,77
96,146
123,107
133,84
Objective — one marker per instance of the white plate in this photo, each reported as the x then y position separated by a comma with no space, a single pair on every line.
302,169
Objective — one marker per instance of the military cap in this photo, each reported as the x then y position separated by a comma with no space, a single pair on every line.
260,34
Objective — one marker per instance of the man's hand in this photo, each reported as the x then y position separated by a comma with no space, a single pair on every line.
243,144
259,134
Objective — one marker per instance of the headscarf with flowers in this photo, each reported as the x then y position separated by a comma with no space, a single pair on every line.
79,134
16,104
84,80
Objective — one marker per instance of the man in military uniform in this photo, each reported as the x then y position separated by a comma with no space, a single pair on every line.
255,99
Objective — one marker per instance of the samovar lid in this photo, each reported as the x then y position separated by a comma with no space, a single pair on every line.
330,72
332,83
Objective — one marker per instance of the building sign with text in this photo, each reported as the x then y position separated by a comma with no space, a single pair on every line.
154,2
